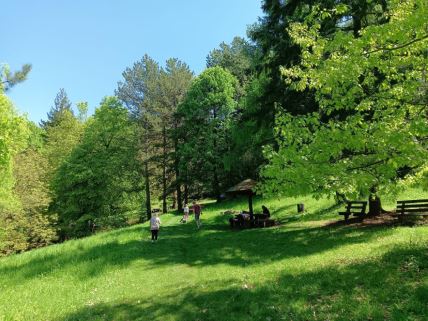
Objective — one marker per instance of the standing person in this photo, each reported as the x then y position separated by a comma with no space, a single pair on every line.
197,210
185,214
154,226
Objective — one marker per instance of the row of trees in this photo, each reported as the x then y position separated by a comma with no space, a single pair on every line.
325,98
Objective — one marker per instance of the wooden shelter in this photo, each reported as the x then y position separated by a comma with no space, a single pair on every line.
244,188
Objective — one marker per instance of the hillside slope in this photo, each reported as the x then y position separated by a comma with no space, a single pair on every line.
301,270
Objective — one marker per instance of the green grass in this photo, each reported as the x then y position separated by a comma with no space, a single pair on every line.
300,270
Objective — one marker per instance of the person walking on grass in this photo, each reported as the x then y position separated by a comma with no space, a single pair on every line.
185,214
154,226
197,210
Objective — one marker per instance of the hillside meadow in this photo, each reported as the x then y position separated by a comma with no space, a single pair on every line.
303,269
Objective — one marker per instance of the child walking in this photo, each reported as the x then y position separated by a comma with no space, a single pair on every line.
185,214
154,226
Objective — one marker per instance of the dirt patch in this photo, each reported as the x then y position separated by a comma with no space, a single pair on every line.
385,219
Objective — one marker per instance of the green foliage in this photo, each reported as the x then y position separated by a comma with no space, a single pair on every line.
249,133
31,188
82,107
13,138
99,181
370,128
8,79
239,58
61,137
24,223
206,115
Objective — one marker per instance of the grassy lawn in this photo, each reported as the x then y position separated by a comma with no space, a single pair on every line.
301,270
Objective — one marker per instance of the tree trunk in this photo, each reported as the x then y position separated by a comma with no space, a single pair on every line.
147,178
375,206
186,194
164,205
177,177
216,187
174,200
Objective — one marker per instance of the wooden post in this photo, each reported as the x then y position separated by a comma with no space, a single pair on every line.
250,205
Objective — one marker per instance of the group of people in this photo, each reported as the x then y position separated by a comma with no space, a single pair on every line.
155,221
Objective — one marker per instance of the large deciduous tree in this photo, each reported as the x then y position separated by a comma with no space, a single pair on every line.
32,190
370,130
206,116
13,138
99,182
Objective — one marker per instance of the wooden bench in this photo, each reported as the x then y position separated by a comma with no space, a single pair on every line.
412,208
356,208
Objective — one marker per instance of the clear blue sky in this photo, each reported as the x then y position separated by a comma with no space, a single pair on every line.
84,45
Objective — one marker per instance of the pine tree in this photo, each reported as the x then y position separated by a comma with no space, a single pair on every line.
61,105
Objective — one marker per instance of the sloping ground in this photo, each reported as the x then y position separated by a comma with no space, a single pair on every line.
301,270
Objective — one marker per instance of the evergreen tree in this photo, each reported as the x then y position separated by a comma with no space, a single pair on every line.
9,79
139,93
152,94
239,57
62,105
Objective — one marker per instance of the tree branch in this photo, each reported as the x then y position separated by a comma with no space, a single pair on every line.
400,46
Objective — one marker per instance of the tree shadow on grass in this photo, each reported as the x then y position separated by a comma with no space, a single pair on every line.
317,215
183,244
393,287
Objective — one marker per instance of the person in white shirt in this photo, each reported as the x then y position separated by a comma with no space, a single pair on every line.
154,226
185,214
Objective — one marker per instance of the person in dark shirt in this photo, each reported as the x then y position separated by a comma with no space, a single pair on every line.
198,211
266,212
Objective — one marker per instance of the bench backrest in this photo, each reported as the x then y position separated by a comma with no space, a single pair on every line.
358,207
412,207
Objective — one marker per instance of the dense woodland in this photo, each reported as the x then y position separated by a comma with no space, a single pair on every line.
324,98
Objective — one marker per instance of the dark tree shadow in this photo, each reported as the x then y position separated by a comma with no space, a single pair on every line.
393,287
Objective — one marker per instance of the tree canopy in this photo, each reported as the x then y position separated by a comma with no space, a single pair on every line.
370,129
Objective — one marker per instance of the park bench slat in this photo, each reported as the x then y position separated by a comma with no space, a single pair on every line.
413,201
412,208
355,208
